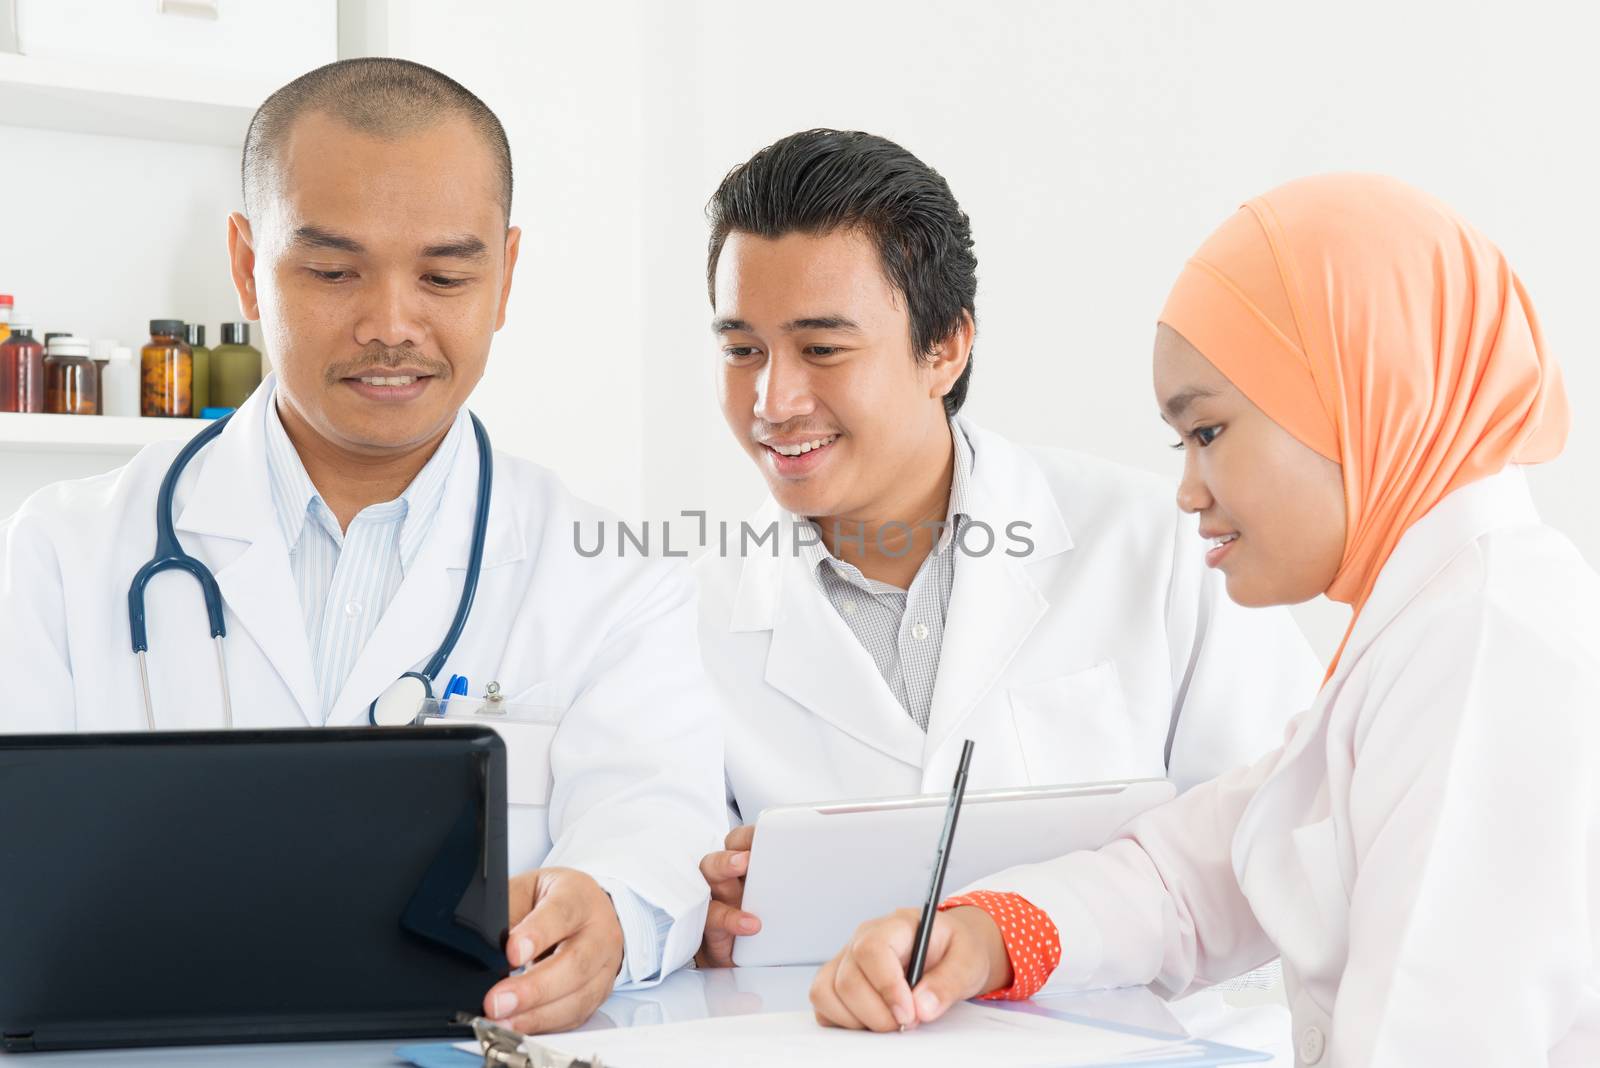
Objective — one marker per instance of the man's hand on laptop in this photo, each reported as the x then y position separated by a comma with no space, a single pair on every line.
565,927
724,872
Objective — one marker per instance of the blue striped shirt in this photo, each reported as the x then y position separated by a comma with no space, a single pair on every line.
346,580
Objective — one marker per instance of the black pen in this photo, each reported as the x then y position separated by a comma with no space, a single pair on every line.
919,954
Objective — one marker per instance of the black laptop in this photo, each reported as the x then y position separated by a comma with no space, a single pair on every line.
233,886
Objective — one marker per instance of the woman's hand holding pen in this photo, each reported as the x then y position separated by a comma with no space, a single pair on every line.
864,986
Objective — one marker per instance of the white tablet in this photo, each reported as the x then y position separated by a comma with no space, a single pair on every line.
818,871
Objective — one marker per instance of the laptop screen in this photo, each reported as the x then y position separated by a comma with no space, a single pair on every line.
217,886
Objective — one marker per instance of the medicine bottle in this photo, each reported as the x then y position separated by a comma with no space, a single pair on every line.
119,383
235,367
166,371
71,380
195,335
21,371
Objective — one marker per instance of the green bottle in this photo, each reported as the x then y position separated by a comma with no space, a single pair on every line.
195,335
235,367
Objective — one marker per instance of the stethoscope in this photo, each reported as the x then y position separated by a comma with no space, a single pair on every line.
402,700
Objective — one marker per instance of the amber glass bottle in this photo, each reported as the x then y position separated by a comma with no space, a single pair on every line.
21,371
166,371
71,380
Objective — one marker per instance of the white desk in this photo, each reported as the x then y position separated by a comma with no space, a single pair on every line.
687,995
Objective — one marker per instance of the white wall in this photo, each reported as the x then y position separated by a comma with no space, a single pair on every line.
1094,144
563,384
99,235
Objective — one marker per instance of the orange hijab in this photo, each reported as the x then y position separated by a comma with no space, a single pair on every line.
1381,330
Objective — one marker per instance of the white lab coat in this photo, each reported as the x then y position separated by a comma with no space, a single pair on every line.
1094,657
1424,848
627,787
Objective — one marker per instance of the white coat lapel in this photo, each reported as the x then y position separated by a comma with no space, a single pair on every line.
1296,792
1427,548
994,604
417,619
1461,518
228,513
814,658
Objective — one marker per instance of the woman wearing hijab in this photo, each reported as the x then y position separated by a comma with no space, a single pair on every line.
1355,374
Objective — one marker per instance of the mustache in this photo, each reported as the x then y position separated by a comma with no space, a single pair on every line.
376,358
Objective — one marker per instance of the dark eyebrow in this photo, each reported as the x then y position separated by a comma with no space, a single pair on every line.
1176,405
317,237
458,248
820,322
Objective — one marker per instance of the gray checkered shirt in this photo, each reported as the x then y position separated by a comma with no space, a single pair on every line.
902,629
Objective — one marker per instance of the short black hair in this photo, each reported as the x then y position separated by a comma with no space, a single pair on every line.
819,181
375,95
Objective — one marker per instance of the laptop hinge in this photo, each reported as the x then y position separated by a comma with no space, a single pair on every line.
17,1041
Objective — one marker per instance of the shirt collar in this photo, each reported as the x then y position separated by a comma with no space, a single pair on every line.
295,496
422,497
816,554
292,489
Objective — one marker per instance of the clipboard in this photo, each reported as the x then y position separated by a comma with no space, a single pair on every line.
503,1048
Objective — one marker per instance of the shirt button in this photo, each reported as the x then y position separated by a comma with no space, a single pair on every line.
352,609
919,631
1312,1045
849,608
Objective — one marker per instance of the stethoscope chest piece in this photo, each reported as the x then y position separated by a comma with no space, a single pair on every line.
401,701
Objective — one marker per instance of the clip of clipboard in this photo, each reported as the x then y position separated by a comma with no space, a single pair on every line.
505,1048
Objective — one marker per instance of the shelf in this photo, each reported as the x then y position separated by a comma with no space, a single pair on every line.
90,433
122,99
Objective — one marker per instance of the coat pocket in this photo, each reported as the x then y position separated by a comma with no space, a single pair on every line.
526,721
1075,728
528,778
536,716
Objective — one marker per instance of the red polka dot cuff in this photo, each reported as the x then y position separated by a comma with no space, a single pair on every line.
1032,942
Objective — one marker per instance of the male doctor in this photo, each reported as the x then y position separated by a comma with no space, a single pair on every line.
934,581
336,510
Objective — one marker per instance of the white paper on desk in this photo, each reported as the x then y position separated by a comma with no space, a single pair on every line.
966,1035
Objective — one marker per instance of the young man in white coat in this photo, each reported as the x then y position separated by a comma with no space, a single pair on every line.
932,581
336,510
